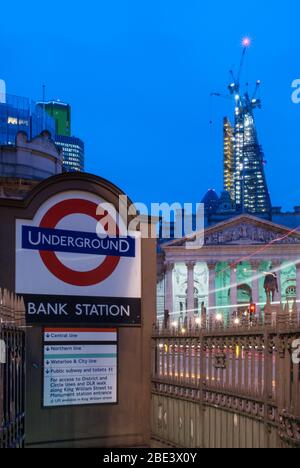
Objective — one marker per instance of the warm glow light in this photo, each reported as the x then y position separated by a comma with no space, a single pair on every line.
219,317
198,321
183,330
237,321
174,324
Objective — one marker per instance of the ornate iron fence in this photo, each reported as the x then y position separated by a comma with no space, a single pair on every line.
235,385
12,371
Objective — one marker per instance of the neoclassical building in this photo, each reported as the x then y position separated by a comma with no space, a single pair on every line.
228,272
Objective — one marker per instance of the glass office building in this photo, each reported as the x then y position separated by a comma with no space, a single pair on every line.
73,152
61,113
72,147
22,114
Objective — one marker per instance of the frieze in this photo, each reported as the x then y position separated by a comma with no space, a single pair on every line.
248,234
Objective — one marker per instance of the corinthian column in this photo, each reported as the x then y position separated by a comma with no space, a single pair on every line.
212,287
169,267
255,282
233,286
190,290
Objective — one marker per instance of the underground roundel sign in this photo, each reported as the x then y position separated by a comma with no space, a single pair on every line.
73,265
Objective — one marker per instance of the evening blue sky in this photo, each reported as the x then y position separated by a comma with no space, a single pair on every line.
138,74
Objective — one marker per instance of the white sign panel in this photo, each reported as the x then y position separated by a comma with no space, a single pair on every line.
70,269
296,352
2,352
79,334
76,373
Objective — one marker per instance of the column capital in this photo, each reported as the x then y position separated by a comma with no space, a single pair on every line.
211,265
169,266
276,263
255,264
190,265
233,264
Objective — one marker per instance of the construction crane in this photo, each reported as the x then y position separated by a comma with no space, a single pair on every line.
243,103
234,87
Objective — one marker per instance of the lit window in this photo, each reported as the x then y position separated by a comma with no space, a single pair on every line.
12,121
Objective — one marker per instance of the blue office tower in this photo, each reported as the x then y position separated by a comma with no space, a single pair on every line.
22,114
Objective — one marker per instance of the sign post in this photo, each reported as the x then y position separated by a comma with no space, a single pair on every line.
89,291
79,276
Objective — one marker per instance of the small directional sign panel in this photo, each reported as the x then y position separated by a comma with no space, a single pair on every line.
80,366
2,352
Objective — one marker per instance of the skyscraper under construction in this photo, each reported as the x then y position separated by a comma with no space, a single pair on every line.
229,158
244,175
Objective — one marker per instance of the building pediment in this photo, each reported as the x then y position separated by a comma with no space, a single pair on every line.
249,234
246,230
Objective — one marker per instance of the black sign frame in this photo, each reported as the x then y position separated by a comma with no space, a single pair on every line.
79,310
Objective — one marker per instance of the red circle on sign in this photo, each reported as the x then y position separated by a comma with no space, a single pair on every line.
50,259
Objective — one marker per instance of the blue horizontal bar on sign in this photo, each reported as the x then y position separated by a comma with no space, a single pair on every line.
60,240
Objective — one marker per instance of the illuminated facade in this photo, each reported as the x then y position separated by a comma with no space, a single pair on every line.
227,274
251,193
228,158
73,153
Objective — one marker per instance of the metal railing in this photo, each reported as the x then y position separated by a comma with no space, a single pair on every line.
12,371
249,369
